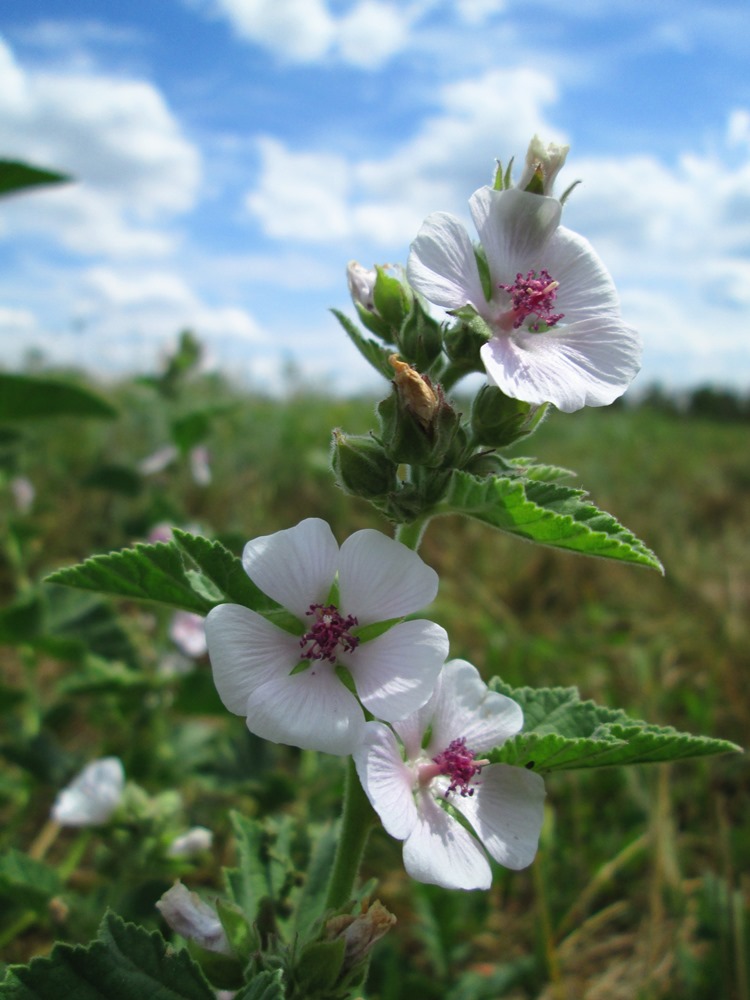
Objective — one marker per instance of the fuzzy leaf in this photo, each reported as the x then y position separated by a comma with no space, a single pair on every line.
25,397
16,176
266,986
563,733
125,962
26,881
547,513
369,349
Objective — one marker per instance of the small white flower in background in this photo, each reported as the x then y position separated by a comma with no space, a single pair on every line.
188,632
23,493
92,797
158,461
197,840
287,685
188,915
161,532
503,804
200,468
361,283
544,162
553,312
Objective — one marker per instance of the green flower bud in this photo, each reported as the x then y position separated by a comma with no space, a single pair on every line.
420,338
362,467
498,420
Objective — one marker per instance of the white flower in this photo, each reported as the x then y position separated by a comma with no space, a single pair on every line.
557,333
287,685
544,162
503,804
92,797
200,465
197,840
188,915
188,632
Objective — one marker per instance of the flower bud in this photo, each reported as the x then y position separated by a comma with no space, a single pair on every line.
497,420
542,166
420,338
382,300
419,426
360,933
362,467
188,915
361,285
93,796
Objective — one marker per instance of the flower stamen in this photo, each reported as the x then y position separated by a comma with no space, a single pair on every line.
329,633
533,296
457,763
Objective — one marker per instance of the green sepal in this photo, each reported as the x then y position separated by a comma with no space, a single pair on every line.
361,466
392,298
420,338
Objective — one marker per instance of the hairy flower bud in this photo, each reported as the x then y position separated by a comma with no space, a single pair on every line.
498,420
360,933
361,466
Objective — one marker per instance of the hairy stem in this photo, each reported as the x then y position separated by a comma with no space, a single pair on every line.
356,822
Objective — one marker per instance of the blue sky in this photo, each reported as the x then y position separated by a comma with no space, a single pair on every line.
233,155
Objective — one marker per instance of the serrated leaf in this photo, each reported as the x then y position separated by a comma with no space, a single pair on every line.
142,573
546,513
371,351
561,733
125,962
26,881
224,570
25,397
529,468
265,986
17,176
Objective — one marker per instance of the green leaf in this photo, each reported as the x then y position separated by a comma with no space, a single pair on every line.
312,899
265,986
563,733
125,962
547,513
24,397
27,882
224,570
529,468
16,176
115,479
142,573
371,351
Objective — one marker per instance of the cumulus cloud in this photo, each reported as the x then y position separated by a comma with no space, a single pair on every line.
366,34
134,168
320,197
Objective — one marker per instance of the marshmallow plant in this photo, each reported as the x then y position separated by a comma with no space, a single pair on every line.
328,644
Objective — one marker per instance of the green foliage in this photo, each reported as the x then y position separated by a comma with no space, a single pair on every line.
546,513
16,176
563,733
26,882
26,397
369,349
124,963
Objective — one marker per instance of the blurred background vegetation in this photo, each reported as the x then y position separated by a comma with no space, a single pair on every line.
641,886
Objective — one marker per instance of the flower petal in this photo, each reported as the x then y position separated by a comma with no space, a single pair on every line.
440,852
467,708
395,674
296,566
379,578
312,710
589,363
513,227
386,779
506,812
442,265
246,651
586,286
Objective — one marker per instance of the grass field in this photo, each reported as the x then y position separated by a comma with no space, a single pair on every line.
641,887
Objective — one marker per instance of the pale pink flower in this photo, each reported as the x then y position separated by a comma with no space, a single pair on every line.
557,335
287,683
188,915
188,632
410,785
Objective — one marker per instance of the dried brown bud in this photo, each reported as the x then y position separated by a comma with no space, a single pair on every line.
360,932
415,391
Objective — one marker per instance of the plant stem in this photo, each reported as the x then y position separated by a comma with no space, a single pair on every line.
411,534
356,821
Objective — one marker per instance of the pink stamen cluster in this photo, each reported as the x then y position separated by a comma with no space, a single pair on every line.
329,633
533,296
458,763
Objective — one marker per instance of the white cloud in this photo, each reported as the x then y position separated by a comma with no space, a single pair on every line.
323,198
134,168
367,34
